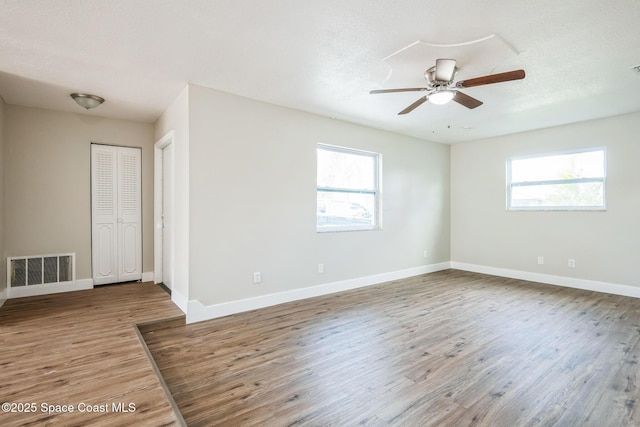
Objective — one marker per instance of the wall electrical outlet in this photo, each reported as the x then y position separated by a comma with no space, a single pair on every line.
257,277
424,254
540,259
571,263
320,268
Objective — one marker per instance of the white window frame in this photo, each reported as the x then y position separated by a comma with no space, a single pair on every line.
376,192
511,184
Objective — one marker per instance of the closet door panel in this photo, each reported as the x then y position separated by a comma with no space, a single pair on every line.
129,214
104,214
116,214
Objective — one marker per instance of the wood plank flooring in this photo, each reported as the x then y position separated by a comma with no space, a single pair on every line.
444,349
81,348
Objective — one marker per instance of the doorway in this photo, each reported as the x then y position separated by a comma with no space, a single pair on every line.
164,179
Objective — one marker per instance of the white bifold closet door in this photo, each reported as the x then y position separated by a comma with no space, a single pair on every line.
116,212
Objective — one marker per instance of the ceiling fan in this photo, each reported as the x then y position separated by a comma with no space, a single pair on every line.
441,89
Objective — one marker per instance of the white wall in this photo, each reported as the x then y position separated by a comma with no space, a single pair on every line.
48,191
3,265
252,172
176,118
605,245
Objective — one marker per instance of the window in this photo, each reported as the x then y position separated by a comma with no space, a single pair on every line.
567,181
348,189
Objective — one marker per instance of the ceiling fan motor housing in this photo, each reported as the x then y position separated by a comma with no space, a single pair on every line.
430,75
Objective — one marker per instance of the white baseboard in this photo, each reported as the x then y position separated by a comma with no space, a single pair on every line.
147,277
3,296
197,312
570,282
180,300
34,290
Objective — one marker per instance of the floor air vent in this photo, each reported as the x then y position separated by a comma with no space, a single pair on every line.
40,270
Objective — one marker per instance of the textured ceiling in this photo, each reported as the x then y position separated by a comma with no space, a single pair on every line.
325,56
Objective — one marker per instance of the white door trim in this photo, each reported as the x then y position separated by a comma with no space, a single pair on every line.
157,203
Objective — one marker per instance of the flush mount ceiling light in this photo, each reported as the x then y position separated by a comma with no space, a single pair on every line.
87,101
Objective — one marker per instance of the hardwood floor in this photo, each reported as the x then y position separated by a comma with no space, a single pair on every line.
81,349
443,349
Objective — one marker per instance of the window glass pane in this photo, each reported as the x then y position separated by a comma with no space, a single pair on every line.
347,193
583,194
336,209
339,169
570,180
588,164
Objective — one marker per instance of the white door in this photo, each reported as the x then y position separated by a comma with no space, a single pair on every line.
167,216
116,214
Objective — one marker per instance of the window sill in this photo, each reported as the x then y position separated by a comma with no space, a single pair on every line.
346,230
557,209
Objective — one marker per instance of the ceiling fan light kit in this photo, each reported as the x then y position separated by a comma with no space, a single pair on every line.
441,89
441,97
87,101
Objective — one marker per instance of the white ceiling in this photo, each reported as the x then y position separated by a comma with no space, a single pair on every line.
323,56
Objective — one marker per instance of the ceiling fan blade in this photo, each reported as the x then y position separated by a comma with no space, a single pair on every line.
445,69
407,89
492,78
466,100
413,106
